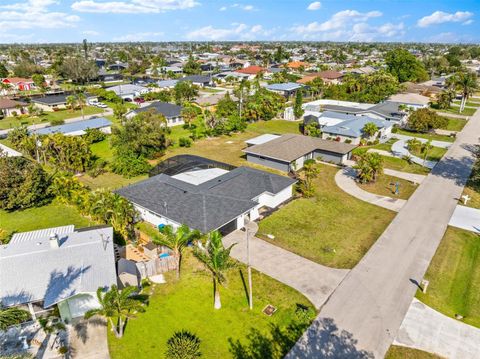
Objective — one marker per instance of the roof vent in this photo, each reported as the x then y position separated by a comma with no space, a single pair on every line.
54,241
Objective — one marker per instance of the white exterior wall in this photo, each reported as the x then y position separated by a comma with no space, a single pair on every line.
175,121
272,201
155,219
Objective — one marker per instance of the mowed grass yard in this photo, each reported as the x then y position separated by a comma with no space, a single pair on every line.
398,352
332,228
434,154
52,215
428,136
11,122
188,304
454,276
399,164
385,186
454,124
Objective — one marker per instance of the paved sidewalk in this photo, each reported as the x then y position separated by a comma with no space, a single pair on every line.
314,281
466,218
345,180
415,178
363,315
88,338
441,144
426,329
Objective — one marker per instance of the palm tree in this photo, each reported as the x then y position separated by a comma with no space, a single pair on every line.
370,129
369,165
12,316
119,304
176,241
466,82
426,147
217,259
81,102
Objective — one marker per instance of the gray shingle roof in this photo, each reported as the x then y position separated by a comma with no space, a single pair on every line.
289,147
353,127
51,100
196,79
209,205
167,109
32,270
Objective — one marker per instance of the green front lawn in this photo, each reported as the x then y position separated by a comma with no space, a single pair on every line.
469,103
454,276
454,124
428,136
102,149
232,331
385,186
52,215
456,110
398,352
11,122
399,164
332,228
434,154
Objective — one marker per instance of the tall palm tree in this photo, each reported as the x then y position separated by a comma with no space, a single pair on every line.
117,304
176,241
217,259
466,82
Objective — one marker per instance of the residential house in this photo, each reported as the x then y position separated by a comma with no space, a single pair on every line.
412,101
351,129
8,107
19,83
104,76
77,128
172,113
251,71
57,267
206,196
285,89
129,92
51,103
289,152
198,80
328,77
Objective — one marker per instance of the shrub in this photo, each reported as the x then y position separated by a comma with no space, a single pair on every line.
94,135
129,165
183,345
98,168
184,142
348,140
57,122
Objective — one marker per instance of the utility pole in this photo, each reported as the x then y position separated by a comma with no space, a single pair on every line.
249,269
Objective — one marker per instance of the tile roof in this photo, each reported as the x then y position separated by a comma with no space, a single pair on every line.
290,147
207,206
251,70
32,270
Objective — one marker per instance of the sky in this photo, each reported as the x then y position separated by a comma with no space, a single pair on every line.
42,21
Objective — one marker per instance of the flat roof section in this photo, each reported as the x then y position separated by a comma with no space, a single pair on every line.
199,176
261,139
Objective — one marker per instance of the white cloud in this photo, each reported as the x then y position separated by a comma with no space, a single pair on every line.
314,6
240,6
340,20
440,17
450,38
223,8
139,36
468,22
236,32
132,6
365,32
34,14
90,33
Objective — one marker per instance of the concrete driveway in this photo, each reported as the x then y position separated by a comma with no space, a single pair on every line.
88,338
314,281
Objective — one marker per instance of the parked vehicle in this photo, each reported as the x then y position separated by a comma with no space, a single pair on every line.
139,100
101,105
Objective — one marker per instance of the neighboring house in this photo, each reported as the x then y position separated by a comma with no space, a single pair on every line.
285,89
296,65
51,102
199,80
10,152
207,197
77,128
326,118
166,84
104,76
230,74
8,107
60,267
119,66
173,113
261,139
129,92
251,71
351,129
328,77
19,83
411,100
289,152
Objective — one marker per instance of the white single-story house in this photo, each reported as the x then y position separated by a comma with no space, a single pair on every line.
129,92
172,113
289,152
77,128
287,89
207,198
51,103
8,107
413,101
60,267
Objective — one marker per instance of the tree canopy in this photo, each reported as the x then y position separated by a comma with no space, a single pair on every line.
405,66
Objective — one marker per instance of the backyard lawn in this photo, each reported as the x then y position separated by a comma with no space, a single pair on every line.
11,122
230,332
398,352
385,186
434,154
102,149
454,276
52,215
332,228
